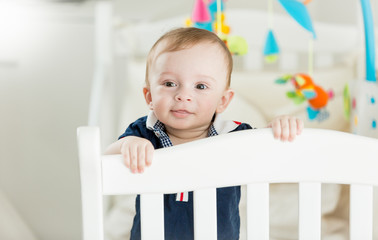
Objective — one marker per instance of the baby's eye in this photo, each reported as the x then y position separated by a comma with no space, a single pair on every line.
201,86
170,84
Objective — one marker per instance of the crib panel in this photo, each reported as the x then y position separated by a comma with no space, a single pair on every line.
361,212
205,214
258,211
91,187
317,156
152,216
309,211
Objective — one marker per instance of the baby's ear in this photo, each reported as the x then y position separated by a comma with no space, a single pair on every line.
225,100
148,97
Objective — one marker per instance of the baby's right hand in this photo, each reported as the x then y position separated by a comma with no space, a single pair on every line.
137,153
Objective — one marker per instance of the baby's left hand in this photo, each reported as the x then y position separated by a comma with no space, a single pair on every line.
286,127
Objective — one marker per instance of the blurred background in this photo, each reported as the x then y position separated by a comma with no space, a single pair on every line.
47,65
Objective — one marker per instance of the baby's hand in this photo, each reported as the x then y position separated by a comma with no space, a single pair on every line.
137,153
286,127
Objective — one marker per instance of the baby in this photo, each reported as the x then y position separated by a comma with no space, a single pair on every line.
187,87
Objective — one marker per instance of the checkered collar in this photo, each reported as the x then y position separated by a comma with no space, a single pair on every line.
219,126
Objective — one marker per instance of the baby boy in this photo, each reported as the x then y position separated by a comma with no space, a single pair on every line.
187,86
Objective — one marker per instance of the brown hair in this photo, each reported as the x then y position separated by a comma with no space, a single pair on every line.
182,38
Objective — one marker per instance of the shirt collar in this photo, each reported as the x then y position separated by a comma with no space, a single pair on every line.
219,125
152,120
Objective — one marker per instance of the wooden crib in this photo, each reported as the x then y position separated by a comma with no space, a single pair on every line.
253,158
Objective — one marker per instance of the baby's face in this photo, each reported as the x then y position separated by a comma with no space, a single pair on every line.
188,86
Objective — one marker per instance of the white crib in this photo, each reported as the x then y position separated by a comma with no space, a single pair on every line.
253,158
337,58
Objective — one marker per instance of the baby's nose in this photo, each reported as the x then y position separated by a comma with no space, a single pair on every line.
183,96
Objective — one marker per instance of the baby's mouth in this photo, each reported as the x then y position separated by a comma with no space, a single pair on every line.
181,113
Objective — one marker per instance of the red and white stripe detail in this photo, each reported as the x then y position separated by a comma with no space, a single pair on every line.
222,126
182,197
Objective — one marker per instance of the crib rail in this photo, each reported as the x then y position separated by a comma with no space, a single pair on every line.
249,157
318,153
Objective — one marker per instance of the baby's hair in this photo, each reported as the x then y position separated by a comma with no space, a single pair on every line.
182,38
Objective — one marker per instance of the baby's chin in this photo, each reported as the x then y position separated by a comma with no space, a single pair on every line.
188,127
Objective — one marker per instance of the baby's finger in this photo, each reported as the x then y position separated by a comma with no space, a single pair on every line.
293,128
133,159
276,127
149,154
126,157
300,126
285,129
141,158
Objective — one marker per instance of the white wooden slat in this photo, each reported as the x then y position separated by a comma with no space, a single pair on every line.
205,214
91,187
361,212
309,211
258,211
152,216
103,57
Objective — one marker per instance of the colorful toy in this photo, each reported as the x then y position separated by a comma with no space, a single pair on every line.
271,48
347,102
306,89
225,29
200,12
299,12
363,106
210,15
237,45
369,41
363,93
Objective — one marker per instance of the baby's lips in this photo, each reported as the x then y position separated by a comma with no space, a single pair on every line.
180,113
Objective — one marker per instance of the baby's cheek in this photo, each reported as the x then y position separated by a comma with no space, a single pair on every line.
209,110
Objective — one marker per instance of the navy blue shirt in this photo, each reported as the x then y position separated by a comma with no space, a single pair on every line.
178,216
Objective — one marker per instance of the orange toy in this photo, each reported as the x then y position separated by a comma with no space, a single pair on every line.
317,97
306,89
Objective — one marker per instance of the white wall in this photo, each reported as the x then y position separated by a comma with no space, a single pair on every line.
46,63
336,11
